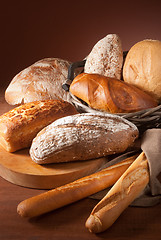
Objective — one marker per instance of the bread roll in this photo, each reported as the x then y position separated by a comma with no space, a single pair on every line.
128,187
73,191
142,67
110,94
40,81
20,125
82,137
106,57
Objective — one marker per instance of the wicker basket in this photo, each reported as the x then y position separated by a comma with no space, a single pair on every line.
145,119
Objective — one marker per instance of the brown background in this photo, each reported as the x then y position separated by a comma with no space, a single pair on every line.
32,30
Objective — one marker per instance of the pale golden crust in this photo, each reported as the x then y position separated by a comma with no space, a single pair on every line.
142,67
20,125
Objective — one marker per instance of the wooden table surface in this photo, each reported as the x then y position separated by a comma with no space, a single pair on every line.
69,222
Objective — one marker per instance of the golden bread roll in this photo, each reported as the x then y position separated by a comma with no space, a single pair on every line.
40,81
110,94
106,57
142,67
20,125
82,137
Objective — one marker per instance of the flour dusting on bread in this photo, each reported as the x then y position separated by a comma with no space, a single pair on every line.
82,137
106,57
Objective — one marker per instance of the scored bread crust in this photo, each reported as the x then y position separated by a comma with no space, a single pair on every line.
20,125
110,94
82,137
40,81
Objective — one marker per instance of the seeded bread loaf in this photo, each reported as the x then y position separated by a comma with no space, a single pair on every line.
20,125
82,137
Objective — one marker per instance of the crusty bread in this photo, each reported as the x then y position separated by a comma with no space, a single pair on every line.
124,191
110,94
40,81
106,57
142,67
20,125
82,137
73,191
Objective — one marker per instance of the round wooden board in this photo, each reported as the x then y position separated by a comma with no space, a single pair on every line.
18,168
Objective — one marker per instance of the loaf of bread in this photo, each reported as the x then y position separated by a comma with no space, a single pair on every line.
40,81
106,57
142,67
110,94
82,137
128,187
73,191
20,125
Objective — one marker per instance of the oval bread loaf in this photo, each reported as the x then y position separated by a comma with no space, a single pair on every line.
82,137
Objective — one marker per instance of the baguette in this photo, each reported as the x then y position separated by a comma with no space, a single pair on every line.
74,191
110,94
82,137
125,190
20,125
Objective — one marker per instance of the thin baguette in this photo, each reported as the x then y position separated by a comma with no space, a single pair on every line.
125,190
74,191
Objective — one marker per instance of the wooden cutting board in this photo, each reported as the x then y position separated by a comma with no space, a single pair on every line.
18,168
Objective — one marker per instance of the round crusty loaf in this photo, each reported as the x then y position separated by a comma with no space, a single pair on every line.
82,137
106,57
142,67
40,81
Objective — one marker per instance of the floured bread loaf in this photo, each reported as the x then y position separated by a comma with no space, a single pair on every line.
40,81
82,137
20,125
106,57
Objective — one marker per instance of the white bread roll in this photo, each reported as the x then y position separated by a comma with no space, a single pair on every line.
40,81
142,67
